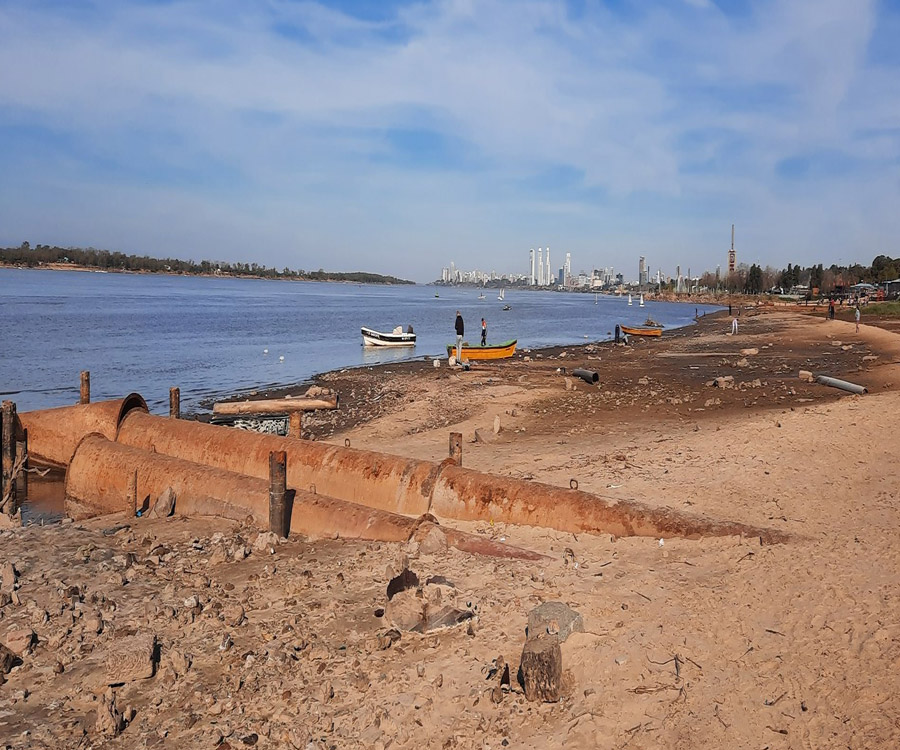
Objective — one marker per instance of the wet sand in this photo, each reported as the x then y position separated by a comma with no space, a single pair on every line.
780,646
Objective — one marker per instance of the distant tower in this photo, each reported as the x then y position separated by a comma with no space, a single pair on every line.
678,288
532,266
540,279
732,256
568,268
547,278
642,270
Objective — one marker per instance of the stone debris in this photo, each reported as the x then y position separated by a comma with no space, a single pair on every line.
109,721
9,578
19,640
7,661
749,352
131,658
554,617
164,505
806,376
724,381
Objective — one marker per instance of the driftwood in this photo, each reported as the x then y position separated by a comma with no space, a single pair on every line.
542,668
276,405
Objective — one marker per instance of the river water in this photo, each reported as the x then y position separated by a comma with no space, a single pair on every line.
208,336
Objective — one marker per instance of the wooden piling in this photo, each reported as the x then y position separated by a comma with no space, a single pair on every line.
8,499
295,424
456,447
85,387
175,403
279,507
25,465
132,492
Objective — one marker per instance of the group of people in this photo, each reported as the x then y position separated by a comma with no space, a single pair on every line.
856,313
461,330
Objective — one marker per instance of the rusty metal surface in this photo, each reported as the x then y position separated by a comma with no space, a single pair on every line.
467,495
376,480
53,434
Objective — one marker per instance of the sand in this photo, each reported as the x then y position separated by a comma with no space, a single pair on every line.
713,643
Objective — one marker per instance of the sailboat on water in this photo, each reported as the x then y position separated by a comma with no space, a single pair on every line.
502,294
629,299
642,301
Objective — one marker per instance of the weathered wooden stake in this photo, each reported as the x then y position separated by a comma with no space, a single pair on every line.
132,492
279,509
542,668
25,465
456,447
295,424
8,454
175,403
85,387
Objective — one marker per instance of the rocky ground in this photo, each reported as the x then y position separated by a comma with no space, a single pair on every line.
203,633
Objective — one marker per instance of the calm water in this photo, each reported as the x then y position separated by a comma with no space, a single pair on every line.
147,333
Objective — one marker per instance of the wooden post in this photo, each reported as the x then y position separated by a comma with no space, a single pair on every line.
8,455
542,668
132,492
85,387
279,509
25,465
456,447
175,403
295,424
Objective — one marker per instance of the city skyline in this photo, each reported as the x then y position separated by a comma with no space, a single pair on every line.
386,136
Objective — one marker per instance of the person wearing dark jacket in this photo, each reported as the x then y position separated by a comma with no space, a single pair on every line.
483,333
460,331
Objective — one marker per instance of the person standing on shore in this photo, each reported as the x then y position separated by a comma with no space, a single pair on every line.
857,317
734,327
483,333
831,309
460,330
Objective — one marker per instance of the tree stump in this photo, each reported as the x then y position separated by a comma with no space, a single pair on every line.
542,668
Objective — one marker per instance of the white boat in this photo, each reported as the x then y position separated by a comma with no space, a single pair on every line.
642,301
481,296
502,292
397,337
629,299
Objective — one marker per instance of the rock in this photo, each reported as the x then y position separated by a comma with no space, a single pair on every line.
19,640
497,425
8,660
266,541
164,505
712,402
406,610
433,541
744,362
482,437
749,352
109,722
11,522
542,668
8,577
643,381
837,343
725,381
437,364
131,658
569,384
233,614
806,375
554,616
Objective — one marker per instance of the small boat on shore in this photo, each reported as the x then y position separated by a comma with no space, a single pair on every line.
641,331
396,338
490,351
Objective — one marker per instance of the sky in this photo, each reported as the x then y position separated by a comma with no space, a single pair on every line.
396,137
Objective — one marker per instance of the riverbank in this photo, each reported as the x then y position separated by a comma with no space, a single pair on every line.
712,643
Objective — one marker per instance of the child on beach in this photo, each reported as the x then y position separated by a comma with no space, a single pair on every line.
857,318
734,326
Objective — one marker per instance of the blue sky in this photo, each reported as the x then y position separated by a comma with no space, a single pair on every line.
396,137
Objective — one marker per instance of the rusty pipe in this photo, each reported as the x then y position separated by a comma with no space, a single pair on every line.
467,495
53,434
100,475
399,485
413,487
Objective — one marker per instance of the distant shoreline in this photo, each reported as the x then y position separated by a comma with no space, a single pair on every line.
130,272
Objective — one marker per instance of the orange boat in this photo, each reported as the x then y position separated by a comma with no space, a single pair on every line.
491,351
641,331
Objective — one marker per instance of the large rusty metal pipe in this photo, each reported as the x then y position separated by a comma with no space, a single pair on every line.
377,480
413,487
53,434
100,475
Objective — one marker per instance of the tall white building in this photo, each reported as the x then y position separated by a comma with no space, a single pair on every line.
532,266
540,278
568,268
548,277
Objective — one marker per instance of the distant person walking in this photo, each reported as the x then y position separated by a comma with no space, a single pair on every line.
857,318
460,331
483,333
734,327
831,309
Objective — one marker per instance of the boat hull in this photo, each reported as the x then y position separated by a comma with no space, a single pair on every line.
641,331
377,338
491,351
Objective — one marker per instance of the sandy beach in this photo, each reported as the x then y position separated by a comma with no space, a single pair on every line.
709,643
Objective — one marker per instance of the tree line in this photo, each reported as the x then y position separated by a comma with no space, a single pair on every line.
755,279
104,260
